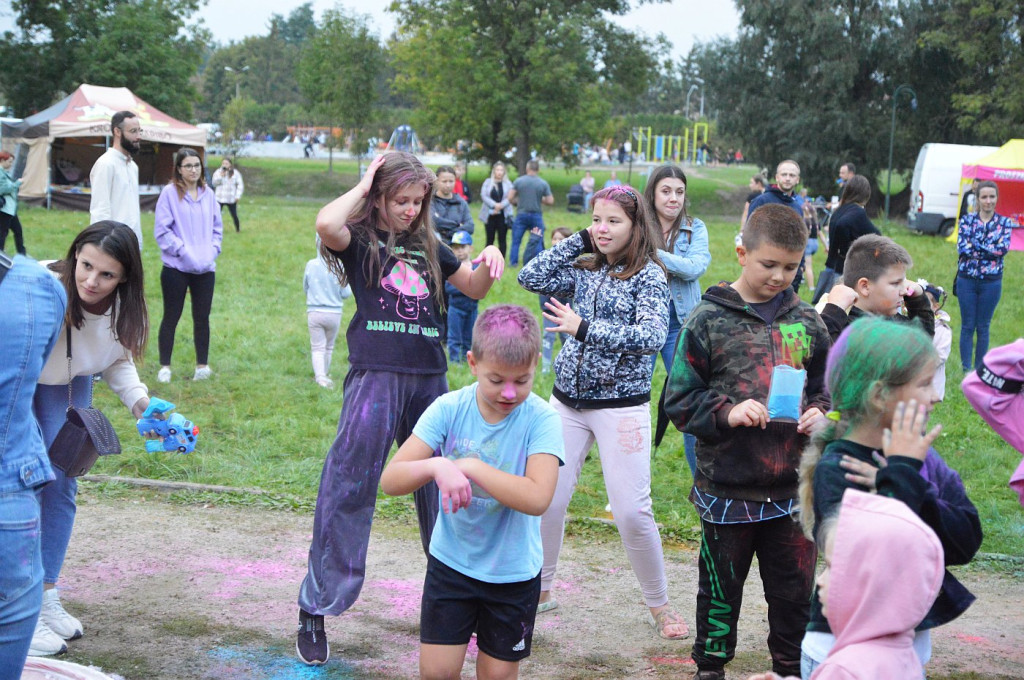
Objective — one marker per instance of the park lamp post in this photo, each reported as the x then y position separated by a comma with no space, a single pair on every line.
688,93
700,82
892,136
238,76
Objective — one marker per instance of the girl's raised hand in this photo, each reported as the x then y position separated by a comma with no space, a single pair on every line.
907,435
493,260
566,320
367,181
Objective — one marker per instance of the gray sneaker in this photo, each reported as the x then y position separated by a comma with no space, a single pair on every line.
45,642
57,619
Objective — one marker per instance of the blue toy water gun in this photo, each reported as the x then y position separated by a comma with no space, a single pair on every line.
175,432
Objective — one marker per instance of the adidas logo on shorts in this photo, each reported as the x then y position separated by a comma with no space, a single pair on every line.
520,646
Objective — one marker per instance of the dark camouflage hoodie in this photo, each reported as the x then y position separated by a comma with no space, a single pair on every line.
725,356
608,363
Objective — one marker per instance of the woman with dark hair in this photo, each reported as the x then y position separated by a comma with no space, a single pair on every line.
683,249
189,232
982,241
108,326
9,210
848,223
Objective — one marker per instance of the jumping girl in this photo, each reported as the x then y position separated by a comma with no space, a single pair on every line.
378,238
880,376
109,327
603,379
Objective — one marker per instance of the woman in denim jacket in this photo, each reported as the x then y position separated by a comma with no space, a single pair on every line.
982,241
686,262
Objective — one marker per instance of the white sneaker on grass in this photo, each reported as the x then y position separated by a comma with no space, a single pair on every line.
56,617
45,642
202,373
164,374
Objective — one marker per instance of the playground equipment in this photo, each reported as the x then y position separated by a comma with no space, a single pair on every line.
677,148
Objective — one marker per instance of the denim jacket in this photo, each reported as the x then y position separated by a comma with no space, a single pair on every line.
686,263
33,302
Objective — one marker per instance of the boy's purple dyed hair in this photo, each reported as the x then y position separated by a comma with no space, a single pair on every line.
507,334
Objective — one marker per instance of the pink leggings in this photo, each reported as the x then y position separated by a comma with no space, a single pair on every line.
623,438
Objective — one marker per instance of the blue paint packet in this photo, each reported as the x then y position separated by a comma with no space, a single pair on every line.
786,395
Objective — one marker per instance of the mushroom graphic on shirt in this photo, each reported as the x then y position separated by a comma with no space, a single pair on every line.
409,286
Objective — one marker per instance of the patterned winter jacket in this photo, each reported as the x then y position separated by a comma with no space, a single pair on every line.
608,363
726,355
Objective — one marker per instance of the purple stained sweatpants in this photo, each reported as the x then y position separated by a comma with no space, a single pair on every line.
378,408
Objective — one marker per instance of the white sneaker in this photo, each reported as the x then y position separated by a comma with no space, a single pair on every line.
56,617
164,374
45,642
202,373
326,382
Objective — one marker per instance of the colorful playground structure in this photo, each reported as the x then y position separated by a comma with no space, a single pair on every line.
678,148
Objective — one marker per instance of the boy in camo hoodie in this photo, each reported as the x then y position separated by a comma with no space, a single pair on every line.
745,488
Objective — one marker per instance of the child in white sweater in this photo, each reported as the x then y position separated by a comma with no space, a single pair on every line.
324,295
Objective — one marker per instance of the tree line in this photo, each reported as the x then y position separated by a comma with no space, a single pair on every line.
801,79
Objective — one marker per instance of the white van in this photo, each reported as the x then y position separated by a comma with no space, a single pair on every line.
935,189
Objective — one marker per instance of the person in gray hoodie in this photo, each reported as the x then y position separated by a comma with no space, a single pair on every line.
449,211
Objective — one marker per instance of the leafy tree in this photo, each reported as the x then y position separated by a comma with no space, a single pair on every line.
263,67
149,46
981,46
533,74
814,81
338,73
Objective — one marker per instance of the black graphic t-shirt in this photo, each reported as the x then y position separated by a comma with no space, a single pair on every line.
395,327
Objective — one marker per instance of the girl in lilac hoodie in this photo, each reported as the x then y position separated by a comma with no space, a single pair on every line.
188,230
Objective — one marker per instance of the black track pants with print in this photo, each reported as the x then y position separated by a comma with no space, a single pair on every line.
786,562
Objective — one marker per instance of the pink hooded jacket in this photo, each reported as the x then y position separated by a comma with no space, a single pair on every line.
886,571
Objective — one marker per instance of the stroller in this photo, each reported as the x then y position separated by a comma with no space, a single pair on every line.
574,199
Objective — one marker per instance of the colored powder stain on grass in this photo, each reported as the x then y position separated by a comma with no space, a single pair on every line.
403,596
254,664
972,639
238,574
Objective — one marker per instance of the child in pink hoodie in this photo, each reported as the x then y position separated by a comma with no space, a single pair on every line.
871,607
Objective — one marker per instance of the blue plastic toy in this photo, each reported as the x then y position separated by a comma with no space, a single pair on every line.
175,432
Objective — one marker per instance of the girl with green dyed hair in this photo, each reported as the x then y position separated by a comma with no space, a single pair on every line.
879,375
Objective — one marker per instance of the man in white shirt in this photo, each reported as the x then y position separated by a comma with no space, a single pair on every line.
115,176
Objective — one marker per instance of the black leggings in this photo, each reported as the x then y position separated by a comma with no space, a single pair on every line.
175,284
233,208
496,226
11,223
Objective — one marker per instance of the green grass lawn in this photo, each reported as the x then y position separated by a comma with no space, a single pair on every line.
265,423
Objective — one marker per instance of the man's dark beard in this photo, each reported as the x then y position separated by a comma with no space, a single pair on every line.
129,146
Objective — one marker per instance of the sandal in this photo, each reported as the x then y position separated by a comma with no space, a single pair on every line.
664,619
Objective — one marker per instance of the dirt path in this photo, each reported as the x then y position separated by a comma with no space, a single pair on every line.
172,592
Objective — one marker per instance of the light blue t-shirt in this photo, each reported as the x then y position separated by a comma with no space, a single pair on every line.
489,541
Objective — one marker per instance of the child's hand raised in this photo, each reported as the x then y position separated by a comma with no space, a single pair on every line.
456,491
367,181
842,296
566,319
911,288
493,260
907,436
749,413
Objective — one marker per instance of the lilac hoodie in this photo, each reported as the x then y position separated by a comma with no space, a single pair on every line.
188,231
874,601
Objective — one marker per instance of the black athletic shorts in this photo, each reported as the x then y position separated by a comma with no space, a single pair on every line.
502,614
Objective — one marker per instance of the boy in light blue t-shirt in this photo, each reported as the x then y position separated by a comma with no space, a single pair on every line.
501,447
